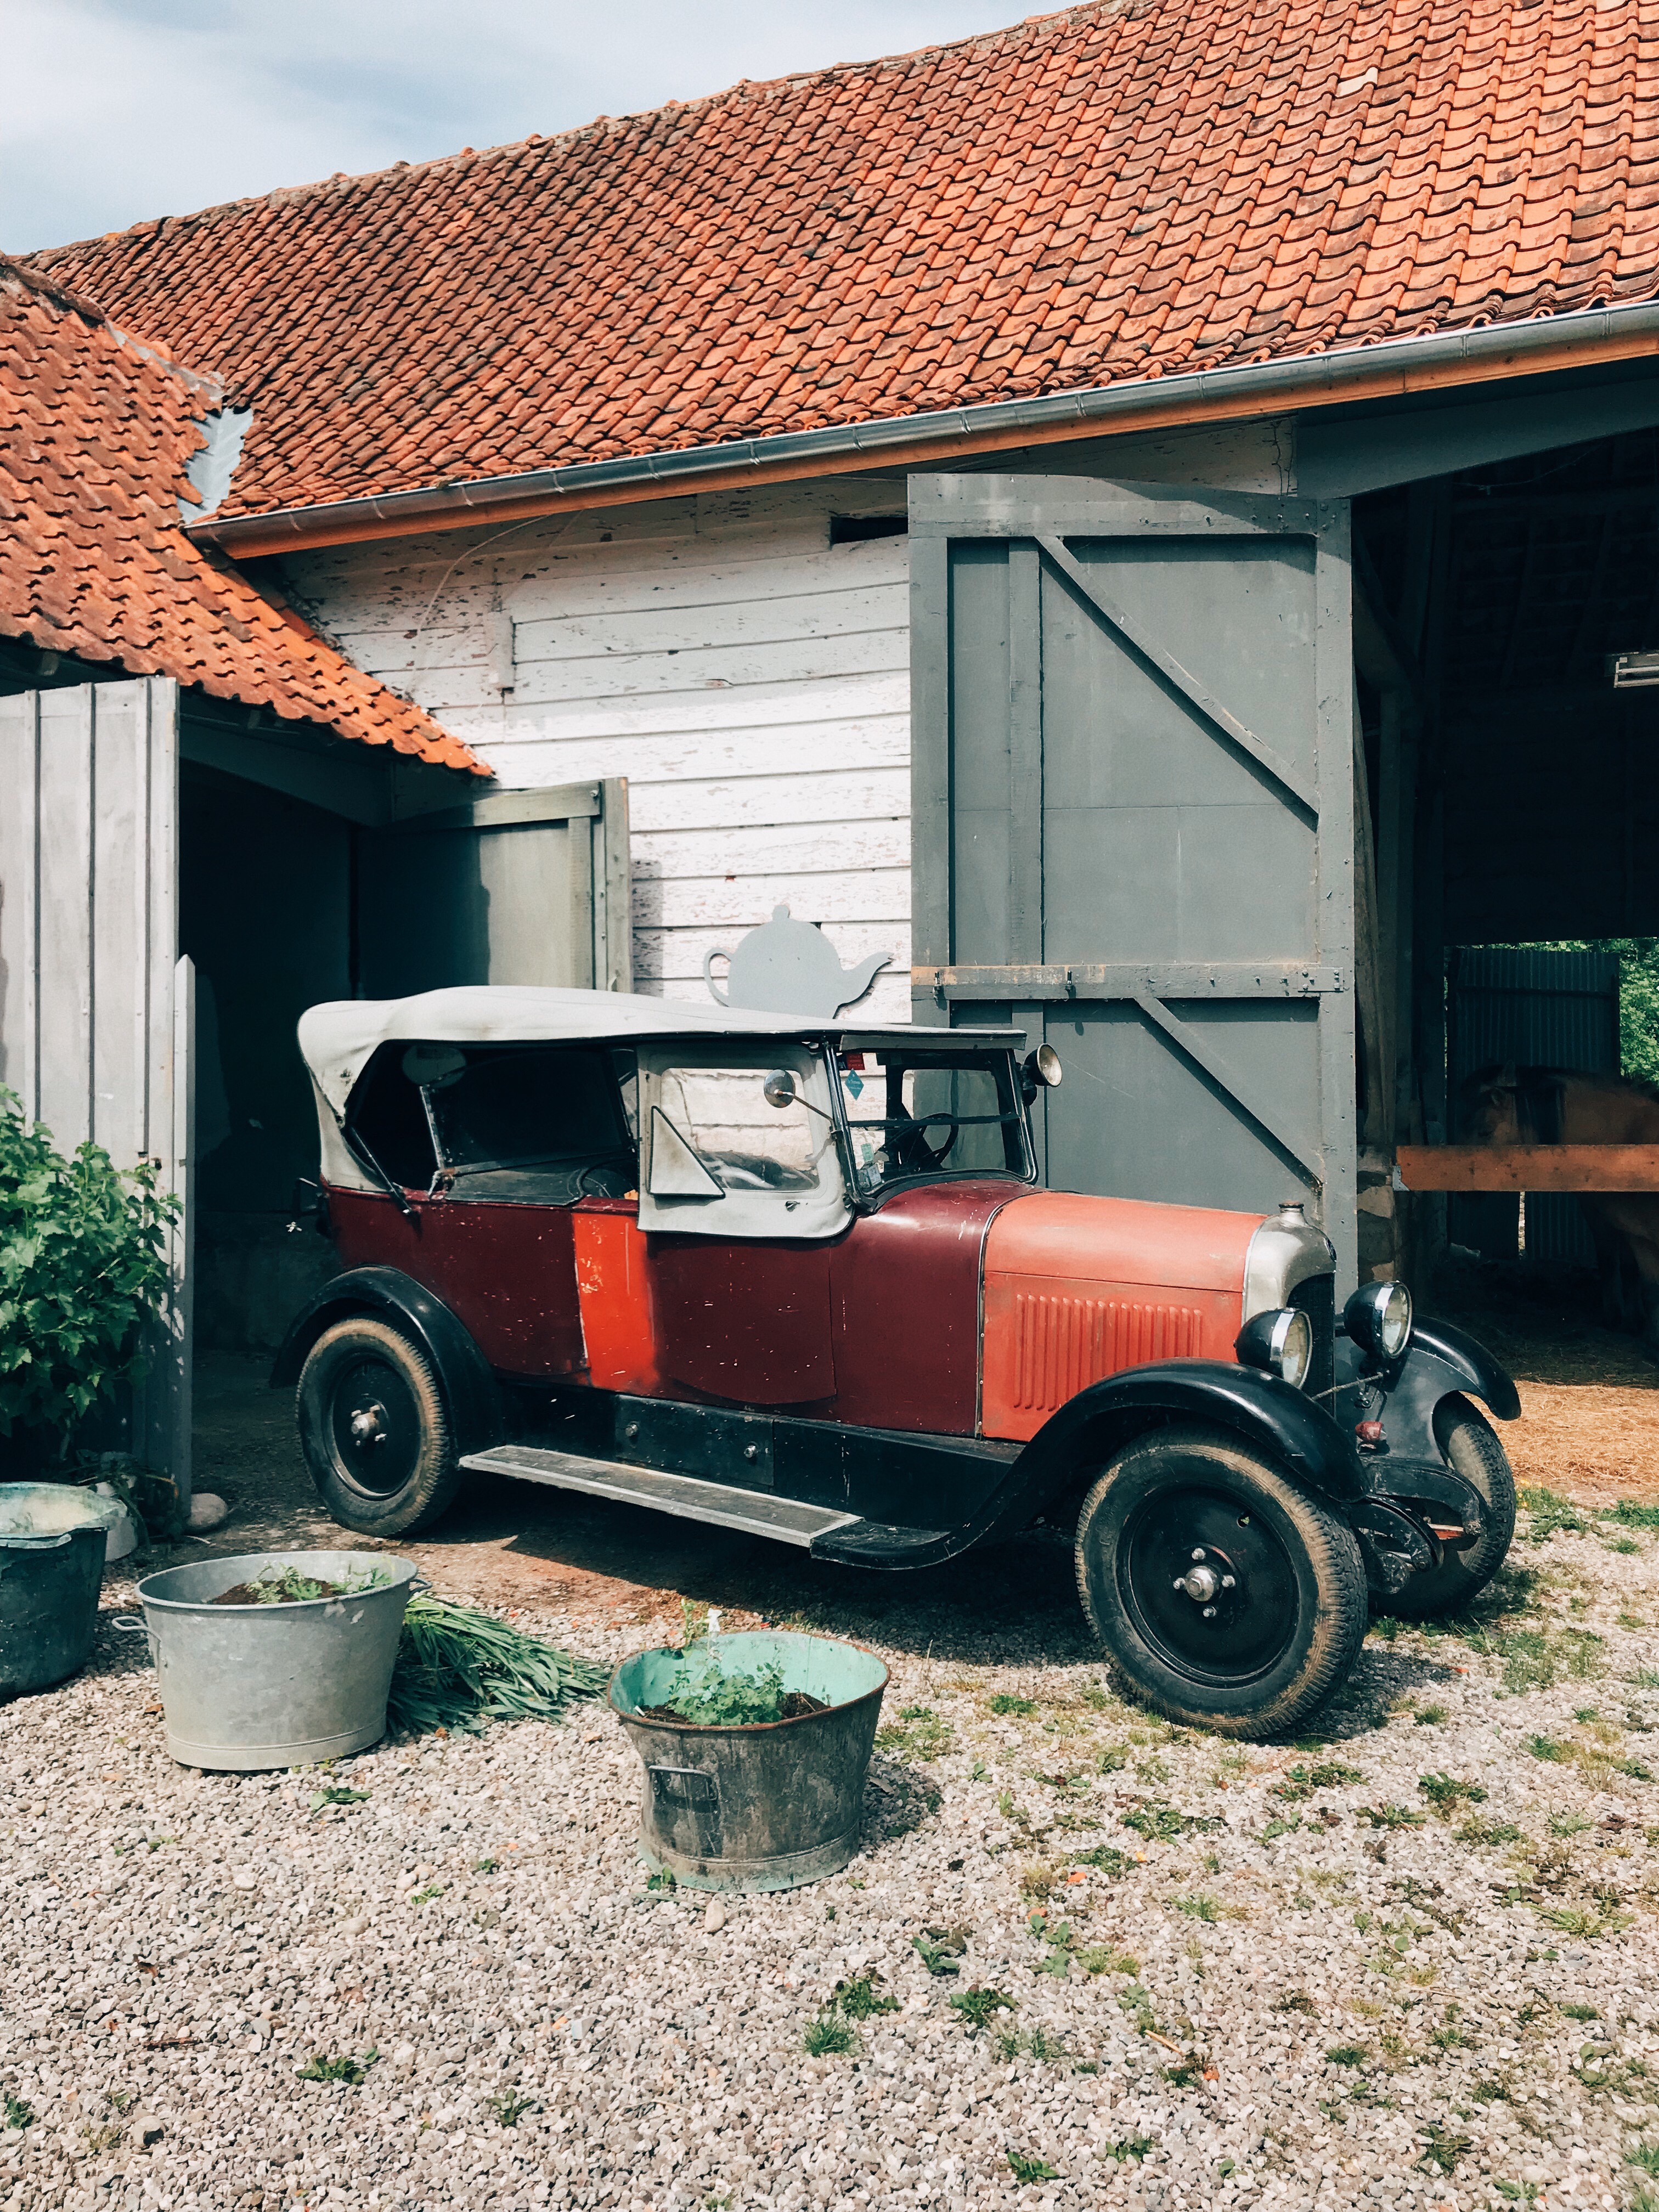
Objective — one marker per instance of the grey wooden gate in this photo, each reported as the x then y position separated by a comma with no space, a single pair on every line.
1132,805
514,887
96,1008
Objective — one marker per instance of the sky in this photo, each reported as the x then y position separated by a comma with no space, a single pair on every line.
120,110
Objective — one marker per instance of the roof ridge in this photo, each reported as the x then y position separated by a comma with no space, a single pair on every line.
296,195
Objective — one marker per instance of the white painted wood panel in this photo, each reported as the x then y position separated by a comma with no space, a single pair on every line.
750,680
95,1004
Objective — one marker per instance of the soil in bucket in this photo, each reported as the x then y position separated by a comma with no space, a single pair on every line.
709,1695
288,1586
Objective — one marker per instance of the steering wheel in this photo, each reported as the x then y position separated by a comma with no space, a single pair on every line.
916,1155
595,1167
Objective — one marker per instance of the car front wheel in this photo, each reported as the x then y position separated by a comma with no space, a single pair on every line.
374,1429
1472,1450
1225,1597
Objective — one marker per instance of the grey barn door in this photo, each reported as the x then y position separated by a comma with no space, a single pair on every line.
96,1007
1132,784
517,887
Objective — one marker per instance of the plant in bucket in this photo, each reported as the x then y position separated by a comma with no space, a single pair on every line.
755,1748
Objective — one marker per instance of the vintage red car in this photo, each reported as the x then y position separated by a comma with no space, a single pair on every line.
799,1278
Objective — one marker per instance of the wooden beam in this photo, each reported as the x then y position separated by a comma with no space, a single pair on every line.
1529,1167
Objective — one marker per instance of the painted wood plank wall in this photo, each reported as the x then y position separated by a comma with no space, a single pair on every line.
750,679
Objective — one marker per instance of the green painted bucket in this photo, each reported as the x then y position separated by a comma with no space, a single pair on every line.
764,1805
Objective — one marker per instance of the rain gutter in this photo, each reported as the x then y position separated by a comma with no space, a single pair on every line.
1393,369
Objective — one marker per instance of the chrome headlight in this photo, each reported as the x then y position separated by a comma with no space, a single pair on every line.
1378,1319
1281,1340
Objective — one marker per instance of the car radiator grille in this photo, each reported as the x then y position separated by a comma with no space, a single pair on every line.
1317,1298
1063,1345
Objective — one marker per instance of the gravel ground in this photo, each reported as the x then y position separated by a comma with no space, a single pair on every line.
1186,1973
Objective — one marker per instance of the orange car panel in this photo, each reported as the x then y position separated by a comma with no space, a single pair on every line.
1078,1288
614,1294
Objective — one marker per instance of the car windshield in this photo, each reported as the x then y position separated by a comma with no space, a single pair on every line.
910,1113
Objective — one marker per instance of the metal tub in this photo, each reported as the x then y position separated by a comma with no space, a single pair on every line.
52,1565
248,1687
769,1805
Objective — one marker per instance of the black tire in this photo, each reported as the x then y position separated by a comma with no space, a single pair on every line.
1283,1635
1471,1446
396,1470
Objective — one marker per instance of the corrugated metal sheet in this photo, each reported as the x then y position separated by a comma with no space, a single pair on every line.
1538,1009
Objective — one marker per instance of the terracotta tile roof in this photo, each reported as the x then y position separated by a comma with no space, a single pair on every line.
1117,192
97,432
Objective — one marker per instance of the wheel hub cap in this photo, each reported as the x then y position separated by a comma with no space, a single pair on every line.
1210,1584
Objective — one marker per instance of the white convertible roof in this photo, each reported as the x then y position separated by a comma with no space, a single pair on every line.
338,1037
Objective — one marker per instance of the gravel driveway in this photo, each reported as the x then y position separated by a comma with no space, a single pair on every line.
1410,1962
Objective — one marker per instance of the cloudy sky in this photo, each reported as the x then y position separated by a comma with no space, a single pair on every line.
118,110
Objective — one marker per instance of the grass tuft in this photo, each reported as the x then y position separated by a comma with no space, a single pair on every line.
827,2037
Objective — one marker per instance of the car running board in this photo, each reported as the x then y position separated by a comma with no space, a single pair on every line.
722,1505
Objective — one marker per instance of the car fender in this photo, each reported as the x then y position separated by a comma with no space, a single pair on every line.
1261,1411
463,1375
1440,1361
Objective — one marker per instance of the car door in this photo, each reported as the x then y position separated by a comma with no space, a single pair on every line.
742,1199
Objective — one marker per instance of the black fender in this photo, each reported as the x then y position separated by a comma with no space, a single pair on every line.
1440,1362
1294,1432
463,1372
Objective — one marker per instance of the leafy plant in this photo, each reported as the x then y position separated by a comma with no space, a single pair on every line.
1198,1908
458,1669
1129,2146
1488,1832
1446,1793
859,1998
1582,2012
710,1695
827,2037
425,1896
936,1956
1302,1781
321,1798
1390,1816
352,2070
1548,1748
1005,1702
1432,1715
979,2006
923,1734
83,1265
1552,1514
1346,2054
1032,2169
1161,1823
17,2113
1295,2001
1103,1856
509,2106
1643,2153
1444,2149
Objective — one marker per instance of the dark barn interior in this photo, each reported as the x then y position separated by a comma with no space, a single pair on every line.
1511,782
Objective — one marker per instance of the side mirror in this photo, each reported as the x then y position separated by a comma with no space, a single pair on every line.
1041,1071
779,1088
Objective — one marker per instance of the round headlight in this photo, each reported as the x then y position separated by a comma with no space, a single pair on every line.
1281,1340
1378,1319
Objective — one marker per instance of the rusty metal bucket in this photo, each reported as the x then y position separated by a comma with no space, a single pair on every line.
768,1805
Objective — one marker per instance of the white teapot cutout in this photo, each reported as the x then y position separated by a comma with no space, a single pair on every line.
788,967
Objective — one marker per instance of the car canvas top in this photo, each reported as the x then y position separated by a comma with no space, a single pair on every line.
338,1037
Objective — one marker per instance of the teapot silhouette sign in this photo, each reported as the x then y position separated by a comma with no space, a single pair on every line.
789,967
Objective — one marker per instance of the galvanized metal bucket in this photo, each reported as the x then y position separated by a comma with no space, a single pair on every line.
249,1686
769,1805
52,1563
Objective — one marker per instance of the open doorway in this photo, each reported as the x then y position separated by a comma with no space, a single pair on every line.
1507,624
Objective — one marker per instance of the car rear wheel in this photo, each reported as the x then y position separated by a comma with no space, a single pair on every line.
1472,1450
1225,1597
374,1429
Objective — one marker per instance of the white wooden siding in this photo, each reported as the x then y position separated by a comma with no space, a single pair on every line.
749,680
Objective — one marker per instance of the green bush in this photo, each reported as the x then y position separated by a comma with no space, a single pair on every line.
82,1266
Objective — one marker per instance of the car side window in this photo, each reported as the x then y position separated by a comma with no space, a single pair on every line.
386,1120
739,1146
